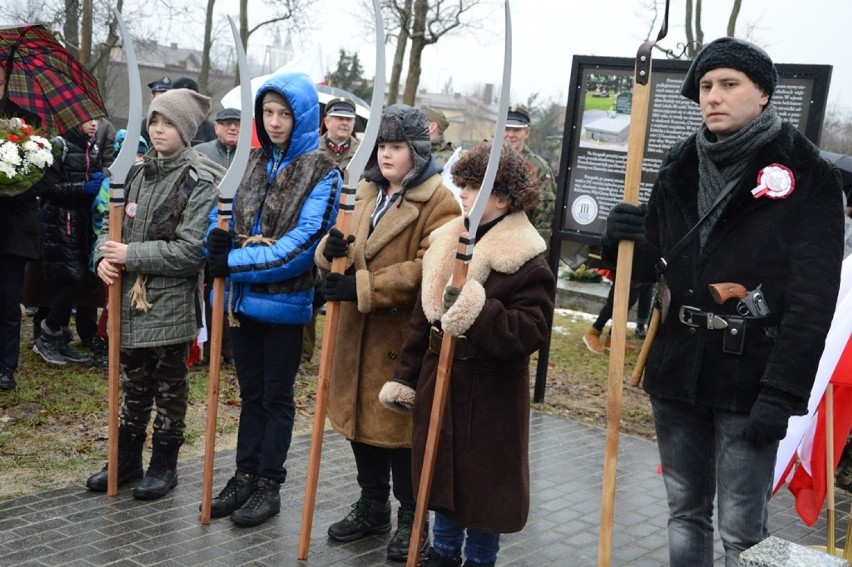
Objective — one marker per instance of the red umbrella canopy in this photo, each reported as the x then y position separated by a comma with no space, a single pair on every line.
44,78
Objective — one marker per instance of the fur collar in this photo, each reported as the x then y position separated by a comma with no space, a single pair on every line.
505,248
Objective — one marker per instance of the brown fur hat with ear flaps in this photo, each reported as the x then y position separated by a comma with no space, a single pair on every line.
516,180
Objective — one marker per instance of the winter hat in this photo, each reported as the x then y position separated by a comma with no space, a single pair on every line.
734,54
402,123
516,181
184,108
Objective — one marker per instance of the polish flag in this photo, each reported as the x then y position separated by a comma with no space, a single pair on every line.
802,453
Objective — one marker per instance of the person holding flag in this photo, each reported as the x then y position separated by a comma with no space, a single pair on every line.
746,200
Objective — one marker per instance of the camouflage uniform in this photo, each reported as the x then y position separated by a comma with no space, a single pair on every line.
158,376
542,216
442,150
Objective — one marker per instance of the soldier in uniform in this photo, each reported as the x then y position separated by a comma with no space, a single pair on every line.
339,125
517,132
442,150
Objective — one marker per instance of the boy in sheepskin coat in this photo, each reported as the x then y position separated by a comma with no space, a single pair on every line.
500,317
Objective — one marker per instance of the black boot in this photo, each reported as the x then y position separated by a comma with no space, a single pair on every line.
264,503
129,461
49,346
236,493
399,543
433,559
367,517
162,470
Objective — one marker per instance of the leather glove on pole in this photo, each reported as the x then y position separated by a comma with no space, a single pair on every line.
217,265
340,288
450,295
93,185
219,242
335,245
625,222
768,419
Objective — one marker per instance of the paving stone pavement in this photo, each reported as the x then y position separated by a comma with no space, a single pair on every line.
75,528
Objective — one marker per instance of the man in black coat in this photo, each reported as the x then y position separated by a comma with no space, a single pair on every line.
19,242
724,378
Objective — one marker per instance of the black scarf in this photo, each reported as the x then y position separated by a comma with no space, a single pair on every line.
722,161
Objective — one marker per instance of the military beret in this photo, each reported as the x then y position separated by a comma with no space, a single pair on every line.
436,116
160,85
518,117
227,114
342,107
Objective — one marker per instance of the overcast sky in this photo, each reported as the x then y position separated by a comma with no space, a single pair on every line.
548,33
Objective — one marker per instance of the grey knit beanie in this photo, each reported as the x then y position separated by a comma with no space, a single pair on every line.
184,108
734,54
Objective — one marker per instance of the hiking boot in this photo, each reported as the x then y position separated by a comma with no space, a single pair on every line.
129,461
49,346
641,332
236,493
100,353
367,517
71,354
7,379
592,340
162,471
433,559
398,545
263,503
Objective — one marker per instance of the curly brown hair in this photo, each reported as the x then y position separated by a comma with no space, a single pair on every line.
516,180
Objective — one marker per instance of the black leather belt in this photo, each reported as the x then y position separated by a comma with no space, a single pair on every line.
695,317
463,350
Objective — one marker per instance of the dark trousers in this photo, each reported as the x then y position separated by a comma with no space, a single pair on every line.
606,311
86,319
155,377
266,356
63,303
11,289
375,465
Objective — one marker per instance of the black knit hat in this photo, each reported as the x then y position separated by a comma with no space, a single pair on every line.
734,54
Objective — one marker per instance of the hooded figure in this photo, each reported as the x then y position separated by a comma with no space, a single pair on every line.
398,203
286,201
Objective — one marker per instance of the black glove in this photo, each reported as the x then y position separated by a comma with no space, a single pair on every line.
625,222
219,241
217,265
769,414
450,295
335,245
340,288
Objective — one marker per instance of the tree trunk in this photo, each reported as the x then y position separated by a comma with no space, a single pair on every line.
732,21
404,14
244,34
415,55
71,27
699,33
86,34
204,72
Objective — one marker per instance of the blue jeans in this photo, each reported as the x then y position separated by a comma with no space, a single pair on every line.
703,451
267,357
448,538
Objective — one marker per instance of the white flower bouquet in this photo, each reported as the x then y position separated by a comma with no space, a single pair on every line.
23,156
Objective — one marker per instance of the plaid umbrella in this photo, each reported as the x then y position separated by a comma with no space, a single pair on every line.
43,77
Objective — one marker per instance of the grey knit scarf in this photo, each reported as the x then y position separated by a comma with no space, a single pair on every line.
722,161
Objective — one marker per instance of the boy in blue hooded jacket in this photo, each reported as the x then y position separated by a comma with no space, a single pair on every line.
286,202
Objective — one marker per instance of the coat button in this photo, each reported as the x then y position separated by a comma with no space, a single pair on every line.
692,330
690,292
391,355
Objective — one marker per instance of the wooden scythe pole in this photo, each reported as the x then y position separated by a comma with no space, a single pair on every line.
448,342
633,174
118,172
338,266
227,189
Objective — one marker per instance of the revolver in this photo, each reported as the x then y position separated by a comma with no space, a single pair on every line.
751,303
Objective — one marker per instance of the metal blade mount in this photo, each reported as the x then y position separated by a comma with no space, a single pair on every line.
229,184
127,154
371,132
497,143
